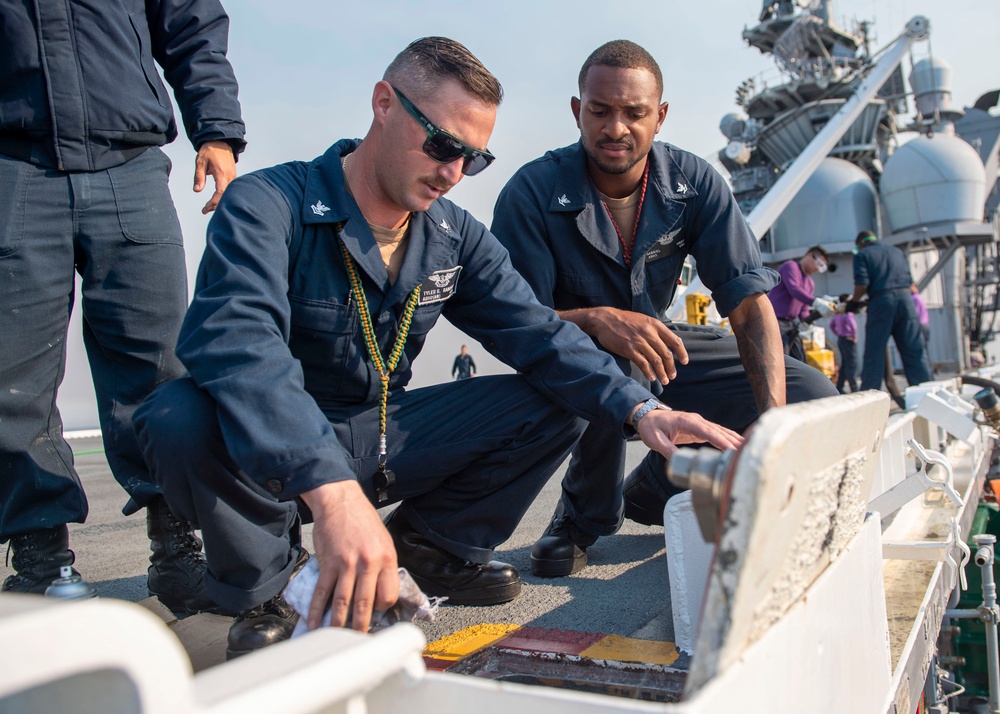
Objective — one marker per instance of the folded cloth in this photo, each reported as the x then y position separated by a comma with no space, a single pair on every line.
411,606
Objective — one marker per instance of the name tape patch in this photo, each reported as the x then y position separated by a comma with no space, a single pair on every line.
439,285
667,245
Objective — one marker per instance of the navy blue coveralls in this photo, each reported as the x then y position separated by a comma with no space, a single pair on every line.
886,272
463,367
83,189
283,398
560,237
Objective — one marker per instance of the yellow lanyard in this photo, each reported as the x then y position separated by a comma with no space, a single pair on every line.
384,478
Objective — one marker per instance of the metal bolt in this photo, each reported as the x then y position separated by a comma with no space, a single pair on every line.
703,471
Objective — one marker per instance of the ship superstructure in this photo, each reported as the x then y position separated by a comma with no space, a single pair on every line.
925,179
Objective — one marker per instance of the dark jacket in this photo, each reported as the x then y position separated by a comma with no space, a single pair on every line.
79,90
463,366
274,335
882,268
551,218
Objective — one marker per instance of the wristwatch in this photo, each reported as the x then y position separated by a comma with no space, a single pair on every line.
647,406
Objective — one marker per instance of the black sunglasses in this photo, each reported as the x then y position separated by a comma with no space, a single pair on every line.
442,146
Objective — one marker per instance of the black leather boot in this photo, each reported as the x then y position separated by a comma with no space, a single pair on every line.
562,549
441,574
176,566
267,624
37,558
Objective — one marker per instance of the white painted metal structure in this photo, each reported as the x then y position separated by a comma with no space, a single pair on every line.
796,614
837,202
932,180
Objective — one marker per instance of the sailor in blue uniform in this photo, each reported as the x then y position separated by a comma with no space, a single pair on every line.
601,229
464,367
319,284
84,190
883,272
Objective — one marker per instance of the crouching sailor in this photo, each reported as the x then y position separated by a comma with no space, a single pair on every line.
319,284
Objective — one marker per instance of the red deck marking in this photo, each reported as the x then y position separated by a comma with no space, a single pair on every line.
542,639
437,665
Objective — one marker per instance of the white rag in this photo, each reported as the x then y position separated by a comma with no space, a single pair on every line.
412,605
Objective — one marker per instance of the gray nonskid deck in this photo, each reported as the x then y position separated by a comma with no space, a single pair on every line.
623,591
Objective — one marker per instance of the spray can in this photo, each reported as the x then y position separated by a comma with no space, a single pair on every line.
70,586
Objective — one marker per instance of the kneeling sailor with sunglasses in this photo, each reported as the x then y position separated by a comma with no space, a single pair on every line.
319,284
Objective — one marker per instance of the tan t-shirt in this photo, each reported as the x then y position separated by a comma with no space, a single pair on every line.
391,241
392,246
624,211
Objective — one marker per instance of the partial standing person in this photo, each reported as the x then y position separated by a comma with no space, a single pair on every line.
795,296
464,367
600,230
319,284
924,318
83,185
845,327
883,272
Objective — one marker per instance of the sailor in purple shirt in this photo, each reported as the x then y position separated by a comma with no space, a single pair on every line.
845,327
924,318
794,297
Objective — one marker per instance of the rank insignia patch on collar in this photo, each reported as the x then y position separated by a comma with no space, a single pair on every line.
563,200
444,224
319,209
682,188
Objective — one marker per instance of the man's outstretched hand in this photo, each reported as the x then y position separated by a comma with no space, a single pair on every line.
663,431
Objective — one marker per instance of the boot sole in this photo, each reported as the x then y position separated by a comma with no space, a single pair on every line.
178,607
233,654
492,595
560,568
175,605
33,590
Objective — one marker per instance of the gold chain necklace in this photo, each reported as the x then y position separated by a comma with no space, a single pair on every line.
384,478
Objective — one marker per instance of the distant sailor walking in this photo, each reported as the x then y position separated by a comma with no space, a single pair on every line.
464,367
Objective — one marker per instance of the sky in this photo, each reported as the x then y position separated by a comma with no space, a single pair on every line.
306,69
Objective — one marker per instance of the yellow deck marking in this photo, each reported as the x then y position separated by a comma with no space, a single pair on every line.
468,640
626,649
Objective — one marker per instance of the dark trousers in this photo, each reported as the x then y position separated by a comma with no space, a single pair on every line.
712,384
791,340
469,459
893,314
117,229
848,364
